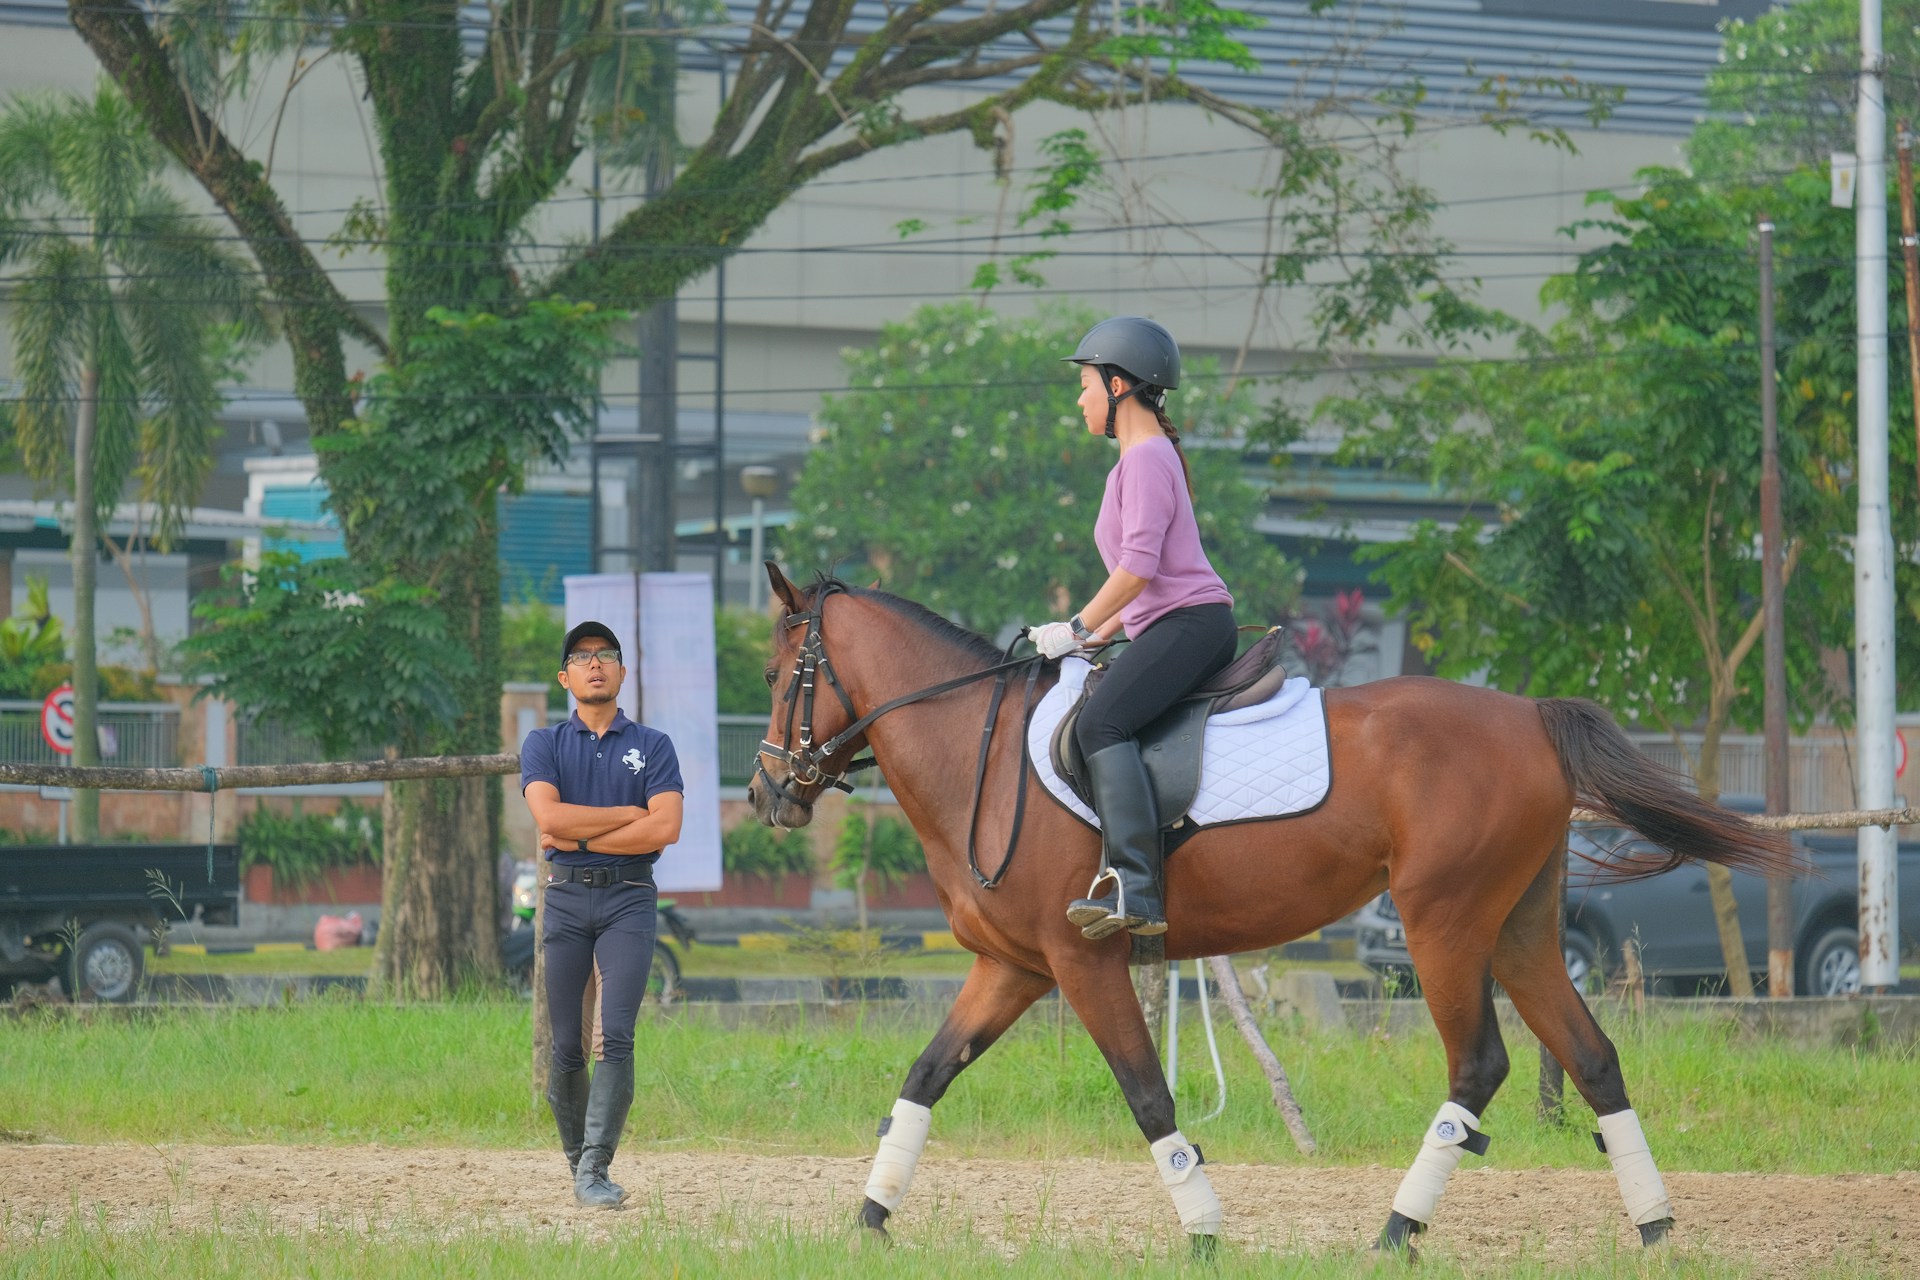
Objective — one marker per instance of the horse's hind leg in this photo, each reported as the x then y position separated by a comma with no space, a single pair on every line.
1530,966
1455,978
993,998
1096,983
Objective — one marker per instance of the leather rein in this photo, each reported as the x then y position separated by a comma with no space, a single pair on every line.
807,762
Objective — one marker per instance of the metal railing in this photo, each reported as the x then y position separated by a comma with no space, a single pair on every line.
1821,772
270,742
139,735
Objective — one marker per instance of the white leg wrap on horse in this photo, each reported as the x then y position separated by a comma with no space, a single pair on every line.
1640,1184
1440,1154
902,1138
1187,1183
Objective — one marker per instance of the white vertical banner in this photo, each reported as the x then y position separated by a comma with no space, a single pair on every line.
680,689
666,636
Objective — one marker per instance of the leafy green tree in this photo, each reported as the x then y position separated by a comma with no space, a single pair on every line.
531,632
127,312
961,472
479,115
30,638
1785,88
742,640
1622,447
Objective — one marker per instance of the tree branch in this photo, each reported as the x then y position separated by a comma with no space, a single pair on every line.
315,314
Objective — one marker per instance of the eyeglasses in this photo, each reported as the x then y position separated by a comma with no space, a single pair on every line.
605,657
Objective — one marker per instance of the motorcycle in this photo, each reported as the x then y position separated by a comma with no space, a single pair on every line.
663,980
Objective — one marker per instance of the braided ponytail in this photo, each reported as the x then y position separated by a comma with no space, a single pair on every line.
1159,403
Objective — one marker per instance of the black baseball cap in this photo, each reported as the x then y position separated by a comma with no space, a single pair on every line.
581,632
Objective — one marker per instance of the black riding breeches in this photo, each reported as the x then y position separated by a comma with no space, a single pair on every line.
1162,665
616,926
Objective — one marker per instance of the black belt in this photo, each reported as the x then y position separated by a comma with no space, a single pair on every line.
599,877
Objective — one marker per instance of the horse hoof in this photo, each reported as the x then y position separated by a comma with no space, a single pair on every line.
873,1222
1655,1233
1396,1237
1203,1246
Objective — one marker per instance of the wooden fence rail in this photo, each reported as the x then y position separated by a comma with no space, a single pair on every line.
204,778
104,778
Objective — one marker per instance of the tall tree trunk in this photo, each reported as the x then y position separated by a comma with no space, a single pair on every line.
1726,910
86,559
440,910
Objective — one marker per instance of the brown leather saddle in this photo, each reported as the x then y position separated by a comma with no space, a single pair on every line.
1171,745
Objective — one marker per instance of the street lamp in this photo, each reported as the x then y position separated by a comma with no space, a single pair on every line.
760,483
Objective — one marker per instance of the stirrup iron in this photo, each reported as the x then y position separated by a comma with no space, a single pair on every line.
1100,915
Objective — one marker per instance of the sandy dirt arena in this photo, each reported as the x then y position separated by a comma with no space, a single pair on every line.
1776,1224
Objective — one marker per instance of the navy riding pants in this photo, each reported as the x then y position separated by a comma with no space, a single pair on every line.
616,926
1162,665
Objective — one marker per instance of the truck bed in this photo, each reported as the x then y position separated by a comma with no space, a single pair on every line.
171,881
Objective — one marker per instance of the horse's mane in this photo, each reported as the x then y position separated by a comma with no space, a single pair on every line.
975,644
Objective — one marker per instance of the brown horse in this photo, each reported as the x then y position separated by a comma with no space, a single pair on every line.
1457,798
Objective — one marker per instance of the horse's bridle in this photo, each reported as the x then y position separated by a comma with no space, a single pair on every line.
807,763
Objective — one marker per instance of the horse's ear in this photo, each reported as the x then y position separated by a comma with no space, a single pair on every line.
785,592
874,585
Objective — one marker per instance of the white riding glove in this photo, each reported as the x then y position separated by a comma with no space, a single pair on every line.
1054,639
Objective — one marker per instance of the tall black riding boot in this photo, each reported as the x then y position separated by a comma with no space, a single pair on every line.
607,1104
1130,831
567,1097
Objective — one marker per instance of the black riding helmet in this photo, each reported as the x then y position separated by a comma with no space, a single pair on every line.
1137,347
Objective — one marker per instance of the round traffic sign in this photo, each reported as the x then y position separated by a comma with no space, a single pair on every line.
1900,748
56,719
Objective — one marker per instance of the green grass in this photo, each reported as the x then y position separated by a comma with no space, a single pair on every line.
652,1244
695,962
347,962
813,1080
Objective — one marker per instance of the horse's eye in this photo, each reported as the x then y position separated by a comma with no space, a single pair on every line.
769,674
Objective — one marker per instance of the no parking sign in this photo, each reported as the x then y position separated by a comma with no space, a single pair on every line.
56,720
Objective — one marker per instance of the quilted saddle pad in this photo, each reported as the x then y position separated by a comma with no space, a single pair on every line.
1265,761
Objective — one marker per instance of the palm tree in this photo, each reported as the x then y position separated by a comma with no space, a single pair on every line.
127,313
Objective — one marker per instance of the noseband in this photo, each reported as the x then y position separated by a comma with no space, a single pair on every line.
806,760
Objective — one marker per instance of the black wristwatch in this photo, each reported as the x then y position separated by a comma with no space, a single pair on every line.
582,847
1079,628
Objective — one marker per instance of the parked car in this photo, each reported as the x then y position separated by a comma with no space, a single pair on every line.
84,912
516,949
1671,921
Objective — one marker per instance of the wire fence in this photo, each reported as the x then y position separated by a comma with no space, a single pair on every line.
143,735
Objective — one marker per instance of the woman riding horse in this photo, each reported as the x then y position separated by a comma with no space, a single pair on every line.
1161,589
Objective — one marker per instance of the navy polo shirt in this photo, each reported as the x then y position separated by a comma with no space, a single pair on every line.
629,764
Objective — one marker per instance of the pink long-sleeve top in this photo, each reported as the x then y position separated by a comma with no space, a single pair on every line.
1146,526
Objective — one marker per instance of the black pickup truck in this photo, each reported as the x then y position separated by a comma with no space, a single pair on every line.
84,912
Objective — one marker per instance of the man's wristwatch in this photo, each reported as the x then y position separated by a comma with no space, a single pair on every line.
1079,628
582,847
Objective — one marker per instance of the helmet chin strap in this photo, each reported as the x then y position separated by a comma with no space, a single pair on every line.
1113,402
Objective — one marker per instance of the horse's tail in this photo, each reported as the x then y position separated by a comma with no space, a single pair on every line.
1612,776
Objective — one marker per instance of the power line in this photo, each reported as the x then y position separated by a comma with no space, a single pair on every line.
1648,354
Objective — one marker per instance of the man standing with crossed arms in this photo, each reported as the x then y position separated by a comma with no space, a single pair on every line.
607,797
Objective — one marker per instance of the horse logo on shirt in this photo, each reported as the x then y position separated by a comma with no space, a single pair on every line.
634,760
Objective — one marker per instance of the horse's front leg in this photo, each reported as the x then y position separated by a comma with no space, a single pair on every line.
994,997
1098,986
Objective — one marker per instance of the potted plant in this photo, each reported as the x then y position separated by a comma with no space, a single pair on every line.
297,857
761,867
881,860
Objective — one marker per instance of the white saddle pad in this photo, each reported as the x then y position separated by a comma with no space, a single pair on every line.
1265,761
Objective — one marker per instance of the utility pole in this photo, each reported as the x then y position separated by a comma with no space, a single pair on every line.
1774,623
1873,602
659,333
